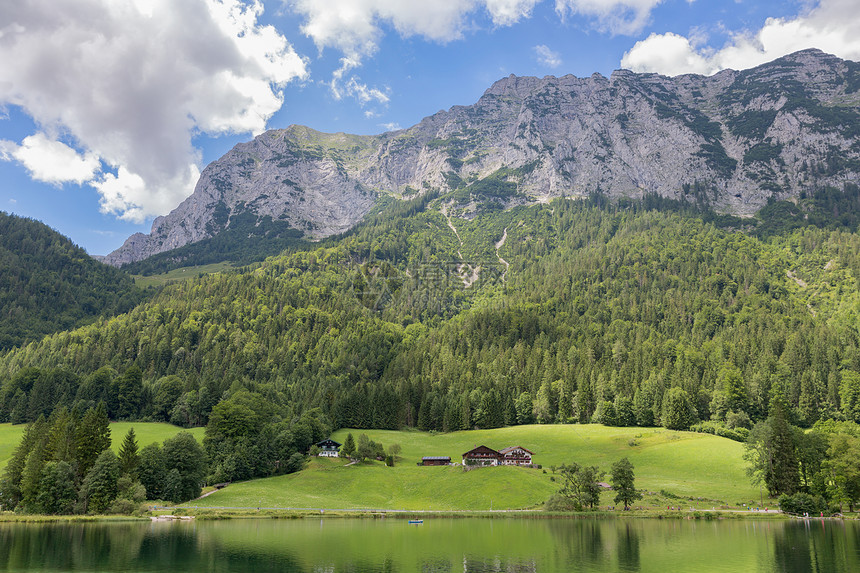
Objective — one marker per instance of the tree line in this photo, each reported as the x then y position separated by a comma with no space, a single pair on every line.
64,465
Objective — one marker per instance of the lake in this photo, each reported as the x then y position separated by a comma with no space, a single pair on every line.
438,545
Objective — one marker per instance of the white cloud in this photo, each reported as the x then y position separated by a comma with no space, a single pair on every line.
831,25
508,12
131,81
51,161
355,27
615,16
547,57
393,126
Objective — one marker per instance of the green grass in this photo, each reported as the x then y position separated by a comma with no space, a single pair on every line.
147,433
682,463
180,274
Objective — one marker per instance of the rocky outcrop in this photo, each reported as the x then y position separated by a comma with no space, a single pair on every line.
733,140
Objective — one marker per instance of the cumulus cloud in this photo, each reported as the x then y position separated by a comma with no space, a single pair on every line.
129,82
830,25
547,57
51,161
614,16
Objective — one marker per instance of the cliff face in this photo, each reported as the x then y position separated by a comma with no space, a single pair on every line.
734,139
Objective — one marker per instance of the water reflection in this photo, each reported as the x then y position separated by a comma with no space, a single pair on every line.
440,546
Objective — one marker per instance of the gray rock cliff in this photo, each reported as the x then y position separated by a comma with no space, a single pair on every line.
734,139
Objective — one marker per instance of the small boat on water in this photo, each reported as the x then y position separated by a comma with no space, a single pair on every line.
416,522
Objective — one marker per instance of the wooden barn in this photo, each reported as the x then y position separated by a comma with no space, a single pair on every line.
435,461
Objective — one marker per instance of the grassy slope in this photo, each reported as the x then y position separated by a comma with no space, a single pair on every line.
682,463
180,274
147,433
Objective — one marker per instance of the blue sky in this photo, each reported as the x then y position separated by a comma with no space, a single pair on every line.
110,108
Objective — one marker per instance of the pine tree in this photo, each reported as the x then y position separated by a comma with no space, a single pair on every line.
128,455
62,443
99,487
348,448
10,486
93,437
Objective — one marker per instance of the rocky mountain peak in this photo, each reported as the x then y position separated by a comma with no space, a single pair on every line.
735,140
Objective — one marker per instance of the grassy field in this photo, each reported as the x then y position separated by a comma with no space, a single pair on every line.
681,464
147,433
180,274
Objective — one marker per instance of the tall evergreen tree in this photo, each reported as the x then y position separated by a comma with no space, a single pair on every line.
93,437
128,455
99,487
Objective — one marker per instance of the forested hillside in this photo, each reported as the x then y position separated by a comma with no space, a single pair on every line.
575,310
48,284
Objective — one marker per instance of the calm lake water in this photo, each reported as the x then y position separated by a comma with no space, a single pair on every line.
439,545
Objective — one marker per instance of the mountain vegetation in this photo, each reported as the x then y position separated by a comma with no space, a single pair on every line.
48,284
573,311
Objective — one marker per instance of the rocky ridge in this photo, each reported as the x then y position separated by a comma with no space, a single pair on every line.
734,140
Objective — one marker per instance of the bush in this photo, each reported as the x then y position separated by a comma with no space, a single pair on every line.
123,506
719,429
803,503
558,502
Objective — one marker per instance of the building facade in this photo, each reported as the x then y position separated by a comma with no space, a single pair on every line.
328,449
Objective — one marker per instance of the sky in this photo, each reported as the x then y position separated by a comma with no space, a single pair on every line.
109,109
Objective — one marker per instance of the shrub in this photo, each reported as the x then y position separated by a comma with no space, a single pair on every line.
803,503
558,502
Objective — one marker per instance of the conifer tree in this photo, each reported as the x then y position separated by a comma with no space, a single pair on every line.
128,455
99,487
93,437
348,448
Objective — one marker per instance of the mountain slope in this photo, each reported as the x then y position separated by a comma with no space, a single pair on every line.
596,304
734,140
49,284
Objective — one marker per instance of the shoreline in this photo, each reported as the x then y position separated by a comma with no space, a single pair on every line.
181,514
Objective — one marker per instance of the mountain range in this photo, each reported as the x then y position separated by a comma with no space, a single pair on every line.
734,142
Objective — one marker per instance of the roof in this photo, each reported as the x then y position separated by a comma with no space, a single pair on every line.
482,450
329,442
437,458
512,448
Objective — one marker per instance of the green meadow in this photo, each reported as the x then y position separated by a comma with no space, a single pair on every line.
682,464
180,274
147,433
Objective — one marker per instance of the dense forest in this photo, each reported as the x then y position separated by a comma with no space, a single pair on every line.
48,284
633,313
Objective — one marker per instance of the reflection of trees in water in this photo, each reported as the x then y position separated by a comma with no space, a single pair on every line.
133,546
579,544
62,546
815,545
628,548
588,545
